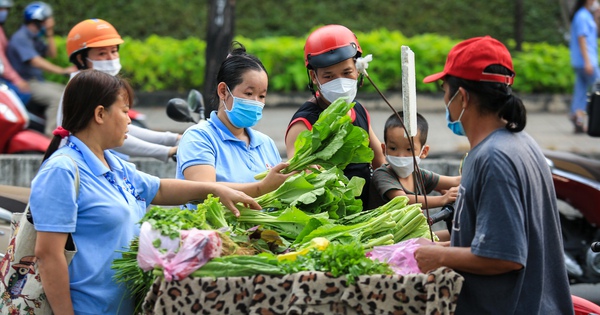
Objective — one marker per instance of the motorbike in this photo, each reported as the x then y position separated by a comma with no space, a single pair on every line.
15,136
37,116
577,184
181,110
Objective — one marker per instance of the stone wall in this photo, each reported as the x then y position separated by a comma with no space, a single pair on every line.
19,170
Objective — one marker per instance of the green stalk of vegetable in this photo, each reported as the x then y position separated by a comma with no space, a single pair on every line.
356,231
239,266
418,219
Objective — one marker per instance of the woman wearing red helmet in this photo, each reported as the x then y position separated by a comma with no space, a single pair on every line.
330,54
94,44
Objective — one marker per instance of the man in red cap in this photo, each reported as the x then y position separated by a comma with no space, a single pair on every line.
505,239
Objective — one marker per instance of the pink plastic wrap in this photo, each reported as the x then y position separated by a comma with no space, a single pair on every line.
179,257
400,256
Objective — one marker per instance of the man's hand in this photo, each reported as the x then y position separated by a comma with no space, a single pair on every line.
49,25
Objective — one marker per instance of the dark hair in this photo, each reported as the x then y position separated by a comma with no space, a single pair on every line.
578,5
87,90
234,66
494,98
394,122
80,65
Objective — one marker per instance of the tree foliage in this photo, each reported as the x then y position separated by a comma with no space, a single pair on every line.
258,19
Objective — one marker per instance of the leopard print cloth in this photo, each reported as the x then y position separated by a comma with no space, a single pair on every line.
308,292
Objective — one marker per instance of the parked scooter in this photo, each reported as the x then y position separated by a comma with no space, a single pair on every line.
37,116
181,110
14,136
577,184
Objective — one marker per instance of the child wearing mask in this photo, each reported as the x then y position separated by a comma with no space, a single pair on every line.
396,178
330,55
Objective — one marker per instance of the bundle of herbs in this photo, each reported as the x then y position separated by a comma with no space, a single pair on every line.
332,141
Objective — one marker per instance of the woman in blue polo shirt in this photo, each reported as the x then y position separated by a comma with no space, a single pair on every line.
226,149
111,198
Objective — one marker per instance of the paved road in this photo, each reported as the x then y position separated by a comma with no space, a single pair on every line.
551,130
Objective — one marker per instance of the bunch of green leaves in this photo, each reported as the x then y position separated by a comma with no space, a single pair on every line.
170,221
317,191
340,260
127,271
332,141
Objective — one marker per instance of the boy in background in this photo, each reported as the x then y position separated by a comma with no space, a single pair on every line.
396,177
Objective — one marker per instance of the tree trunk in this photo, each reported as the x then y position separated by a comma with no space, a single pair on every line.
519,23
221,23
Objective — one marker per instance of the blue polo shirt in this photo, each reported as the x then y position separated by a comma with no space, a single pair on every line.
211,143
22,47
102,219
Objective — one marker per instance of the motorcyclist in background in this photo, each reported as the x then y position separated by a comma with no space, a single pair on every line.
27,51
9,76
94,44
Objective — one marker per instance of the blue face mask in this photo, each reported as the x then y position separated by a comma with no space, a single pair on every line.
455,126
42,32
3,16
244,113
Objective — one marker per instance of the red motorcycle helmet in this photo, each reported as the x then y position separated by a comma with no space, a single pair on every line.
329,45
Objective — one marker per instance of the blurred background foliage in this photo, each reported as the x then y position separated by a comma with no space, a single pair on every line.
164,40
256,19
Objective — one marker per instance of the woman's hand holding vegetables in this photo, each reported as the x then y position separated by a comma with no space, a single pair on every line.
229,197
274,178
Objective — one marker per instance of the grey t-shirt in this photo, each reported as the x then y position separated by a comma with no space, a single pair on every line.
506,209
385,179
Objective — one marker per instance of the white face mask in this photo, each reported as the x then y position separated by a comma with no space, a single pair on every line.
111,67
337,88
403,166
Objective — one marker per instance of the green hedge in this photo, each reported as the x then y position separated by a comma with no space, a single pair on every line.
164,63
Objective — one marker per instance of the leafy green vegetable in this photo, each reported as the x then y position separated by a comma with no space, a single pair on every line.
340,259
333,141
170,221
327,190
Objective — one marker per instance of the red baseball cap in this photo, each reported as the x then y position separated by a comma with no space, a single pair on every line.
468,59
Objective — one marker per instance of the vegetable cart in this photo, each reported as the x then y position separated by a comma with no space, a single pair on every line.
308,293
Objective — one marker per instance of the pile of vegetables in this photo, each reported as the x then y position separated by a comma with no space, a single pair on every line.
312,222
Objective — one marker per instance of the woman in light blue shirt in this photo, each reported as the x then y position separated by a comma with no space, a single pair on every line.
112,198
583,46
226,149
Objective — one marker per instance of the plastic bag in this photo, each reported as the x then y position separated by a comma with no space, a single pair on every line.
401,256
179,257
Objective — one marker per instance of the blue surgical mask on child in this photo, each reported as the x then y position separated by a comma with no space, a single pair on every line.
455,126
244,113
403,166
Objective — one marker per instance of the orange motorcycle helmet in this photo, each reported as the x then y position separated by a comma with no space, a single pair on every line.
89,34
